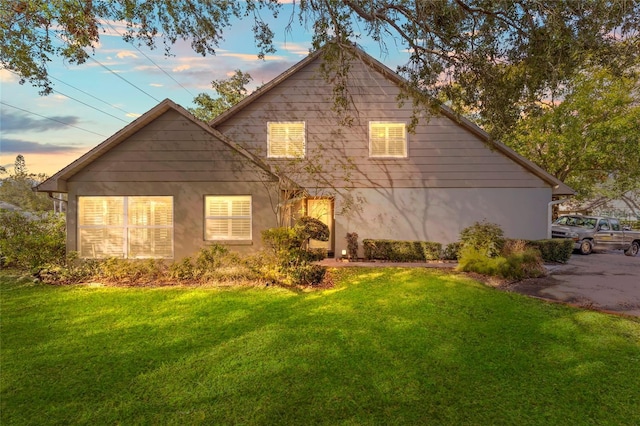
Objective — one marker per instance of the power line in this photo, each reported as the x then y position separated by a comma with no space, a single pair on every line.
121,77
49,118
152,61
89,94
90,106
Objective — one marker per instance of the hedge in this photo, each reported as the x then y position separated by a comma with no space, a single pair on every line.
553,250
401,251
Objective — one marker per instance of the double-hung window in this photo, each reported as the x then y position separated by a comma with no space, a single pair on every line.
228,217
387,139
125,227
286,139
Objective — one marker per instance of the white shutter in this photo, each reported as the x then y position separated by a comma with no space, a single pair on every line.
100,211
125,227
387,139
286,139
228,217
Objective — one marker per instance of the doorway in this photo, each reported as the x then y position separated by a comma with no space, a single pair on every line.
322,209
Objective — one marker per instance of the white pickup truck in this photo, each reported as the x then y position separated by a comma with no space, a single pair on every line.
594,232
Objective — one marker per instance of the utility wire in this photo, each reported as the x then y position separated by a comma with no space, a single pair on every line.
49,118
89,94
90,106
152,61
121,77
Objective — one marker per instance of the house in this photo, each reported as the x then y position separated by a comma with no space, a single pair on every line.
167,184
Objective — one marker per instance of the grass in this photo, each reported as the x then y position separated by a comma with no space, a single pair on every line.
385,346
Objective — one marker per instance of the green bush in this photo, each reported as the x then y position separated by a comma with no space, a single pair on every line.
352,245
291,260
31,242
309,228
485,237
280,239
401,251
512,264
452,251
553,250
72,271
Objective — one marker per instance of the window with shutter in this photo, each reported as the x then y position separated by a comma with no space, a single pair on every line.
126,227
387,139
228,217
286,139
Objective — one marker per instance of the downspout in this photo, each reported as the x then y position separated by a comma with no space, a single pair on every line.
550,214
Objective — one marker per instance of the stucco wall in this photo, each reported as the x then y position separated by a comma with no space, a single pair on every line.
439,214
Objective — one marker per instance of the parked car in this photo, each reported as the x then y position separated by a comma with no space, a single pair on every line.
594,232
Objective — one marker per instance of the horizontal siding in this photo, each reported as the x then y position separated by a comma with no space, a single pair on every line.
172,176
441,153
171,149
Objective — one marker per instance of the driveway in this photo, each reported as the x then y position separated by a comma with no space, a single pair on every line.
605,281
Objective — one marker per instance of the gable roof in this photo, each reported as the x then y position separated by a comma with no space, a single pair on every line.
57,182
559,188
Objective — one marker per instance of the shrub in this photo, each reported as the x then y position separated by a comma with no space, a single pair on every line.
309,228
307,274
516,262
401,251
452,251
72,271
554,250
31,242
291,261
352,245
131,271
279,239
484,237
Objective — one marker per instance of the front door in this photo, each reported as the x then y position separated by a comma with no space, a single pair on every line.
322,209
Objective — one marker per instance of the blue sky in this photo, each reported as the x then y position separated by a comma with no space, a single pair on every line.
48,145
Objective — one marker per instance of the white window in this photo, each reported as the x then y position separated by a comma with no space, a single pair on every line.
387,139
125,227
286,139
228,217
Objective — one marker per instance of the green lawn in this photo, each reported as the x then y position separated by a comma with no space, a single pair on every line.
385,346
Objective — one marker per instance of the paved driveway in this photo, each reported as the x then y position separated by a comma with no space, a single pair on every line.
608,281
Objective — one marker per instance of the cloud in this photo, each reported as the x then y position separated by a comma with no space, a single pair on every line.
156,85
133,114
126,54
181,68
295,48
19,146
7,76
249,56
18,122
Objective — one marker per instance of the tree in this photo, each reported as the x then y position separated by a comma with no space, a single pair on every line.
591,139
230,92
17,189
495,55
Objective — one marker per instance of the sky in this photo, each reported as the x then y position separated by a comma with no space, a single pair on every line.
93,101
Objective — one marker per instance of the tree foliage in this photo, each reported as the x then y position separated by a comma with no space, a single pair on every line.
591,139
495,55
17,189
230,92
